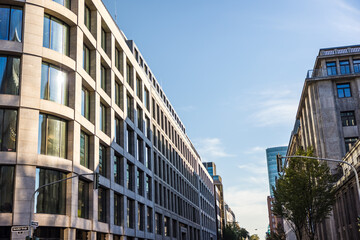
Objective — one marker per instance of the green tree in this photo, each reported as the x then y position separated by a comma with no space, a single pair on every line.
254,237
304,194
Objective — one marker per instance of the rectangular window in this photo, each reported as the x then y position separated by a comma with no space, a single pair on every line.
119,131
158,224
102,160
119,95
9,74
103,78
8,130
130,176
356,64
130,141
153,109
343,90
148,129
87,17
331,68
85,103
52,199
166,226
149,219
348,118
84,150
54,84
139,112
148,187
52,136
139,88
130,213
146,98
11,23
118,170
86,59
129,75
103,39
6,189
118,57
117,209
83,199
102,118
344,67
148,157
102,204
139,150
349,142
56,35
141,220
140,182
130,107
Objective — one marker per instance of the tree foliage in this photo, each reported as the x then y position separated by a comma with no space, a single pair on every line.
235,232
304,194
254,237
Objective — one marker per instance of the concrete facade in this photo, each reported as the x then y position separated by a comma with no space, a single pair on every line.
171,194
328,113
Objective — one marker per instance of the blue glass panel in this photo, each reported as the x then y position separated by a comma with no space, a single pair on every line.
44,92
16,25
58,86
347,92
4,22
46,33
56,37
9,75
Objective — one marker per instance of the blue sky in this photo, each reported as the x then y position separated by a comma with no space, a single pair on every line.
234,71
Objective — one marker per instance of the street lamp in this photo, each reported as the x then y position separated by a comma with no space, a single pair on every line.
279,164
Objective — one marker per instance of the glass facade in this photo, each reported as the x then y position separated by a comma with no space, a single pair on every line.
83,199
117,209
85,103
9,75
84,150
6,188
56,35
52,136
65,3
11,23
272,164
102,204
8,130
54,84
102,160
50,199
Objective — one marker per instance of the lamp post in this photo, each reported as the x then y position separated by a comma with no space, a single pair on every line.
96,185
279,164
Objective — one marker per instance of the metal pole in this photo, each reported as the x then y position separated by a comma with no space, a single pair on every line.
332,160
45,185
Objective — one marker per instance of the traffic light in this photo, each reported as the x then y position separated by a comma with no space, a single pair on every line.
96,180
279,162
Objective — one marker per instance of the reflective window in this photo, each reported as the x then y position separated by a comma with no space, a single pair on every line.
344,67
6,189
84,150
83,199
118,170
343,90
11,23
102,160
356,64
9,75
331,68
50,199
54,84
86,59
117,209
85,103
130,141
87,17
65,3
52,136
56,35
8,129
102,204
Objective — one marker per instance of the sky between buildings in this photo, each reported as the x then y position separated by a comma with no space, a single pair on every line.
234,71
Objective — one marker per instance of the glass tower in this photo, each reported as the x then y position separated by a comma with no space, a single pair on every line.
271,164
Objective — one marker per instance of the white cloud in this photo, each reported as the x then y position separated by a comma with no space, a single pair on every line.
211,149
256,149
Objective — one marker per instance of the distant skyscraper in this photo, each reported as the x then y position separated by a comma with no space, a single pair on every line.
271,163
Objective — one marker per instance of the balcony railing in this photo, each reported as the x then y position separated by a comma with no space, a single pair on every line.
338,51
322,73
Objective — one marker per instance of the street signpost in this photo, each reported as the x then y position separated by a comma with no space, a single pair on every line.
19,229
34,224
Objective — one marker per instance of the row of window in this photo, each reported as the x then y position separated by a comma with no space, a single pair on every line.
344,65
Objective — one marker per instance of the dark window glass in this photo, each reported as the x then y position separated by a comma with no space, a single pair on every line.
83,199
139,118
147,99
119,95
102,203
118,170
85,103
130,176
52,136
11,23
348,118
130,141
141,215
100,236
103,77
53,233
102,117
6,189
343,90
129,77
82,234
86,59
158,224
139,88
50,199
148,187
345,67
103,39
84,150
56,35
117,209
8,130
87,17
149,219
140,182
331,68
119,131
54,84
166,226
130,213
9,75
118,59
65,3
356,64
140,150
349,142
102,160
130,107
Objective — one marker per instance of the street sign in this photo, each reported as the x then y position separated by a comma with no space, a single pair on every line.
34,224
20,229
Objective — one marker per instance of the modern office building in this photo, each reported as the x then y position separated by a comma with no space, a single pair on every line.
77,97
272,164
327,120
